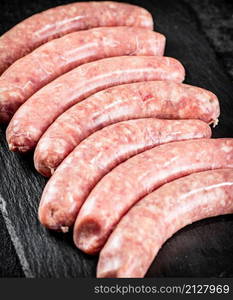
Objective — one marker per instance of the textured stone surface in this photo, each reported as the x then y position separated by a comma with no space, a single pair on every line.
9,262
216,21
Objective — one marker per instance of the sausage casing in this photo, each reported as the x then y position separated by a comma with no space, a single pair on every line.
73,180
121,188
140,234
58,21
39,111
30,73
157,99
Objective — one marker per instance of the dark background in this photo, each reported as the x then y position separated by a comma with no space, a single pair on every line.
200,34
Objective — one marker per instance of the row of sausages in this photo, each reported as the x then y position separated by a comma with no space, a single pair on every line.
126,142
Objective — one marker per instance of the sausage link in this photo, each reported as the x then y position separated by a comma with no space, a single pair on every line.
127,183
27,75
58,21
38,112
140,234
158,99
98,154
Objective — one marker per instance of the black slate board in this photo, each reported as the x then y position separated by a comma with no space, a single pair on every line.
202,249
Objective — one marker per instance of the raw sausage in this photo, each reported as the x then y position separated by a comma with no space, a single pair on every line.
39,111
127,183
60,20
140,234
160,99
98,154
27,75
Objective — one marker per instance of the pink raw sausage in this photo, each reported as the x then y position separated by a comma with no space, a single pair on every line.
30,73
38,112
140,234
60,20
98,154
127,183
159,99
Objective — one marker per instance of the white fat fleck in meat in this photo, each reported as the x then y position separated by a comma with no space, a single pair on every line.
44,146
174,74
226,148
13,94
145,21
203,97
32,131
56,85
167,163
112,5
59,149
112,264
27,85
175,96
3,89
110,42
95,159
68,160
69,197
51,191
73,9
15,123
116,241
